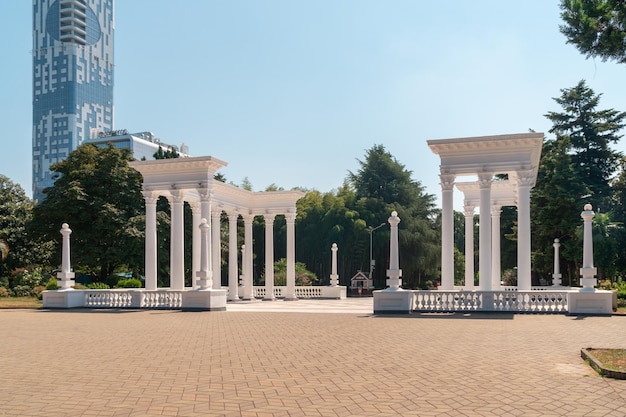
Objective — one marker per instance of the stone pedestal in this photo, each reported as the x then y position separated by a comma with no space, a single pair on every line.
204,300
69,298
389,301
597,302
337,292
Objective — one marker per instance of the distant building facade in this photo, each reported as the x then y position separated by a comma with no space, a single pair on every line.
72,79
143,145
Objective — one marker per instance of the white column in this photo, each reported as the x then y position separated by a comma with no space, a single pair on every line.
233,287
524,184
484,245
216,248
269,257
204,274
291,257
447,231
496,269
469,245
177,253
248,290
150,261
394,273
334,278
556,276
66,275
196,241
588,271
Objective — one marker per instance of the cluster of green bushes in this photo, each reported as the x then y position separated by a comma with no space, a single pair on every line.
618,286
31,283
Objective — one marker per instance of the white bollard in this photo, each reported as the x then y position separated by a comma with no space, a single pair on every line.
394,272
556,276
334,278
588,271
66,276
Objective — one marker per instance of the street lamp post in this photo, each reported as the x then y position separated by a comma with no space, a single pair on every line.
371,230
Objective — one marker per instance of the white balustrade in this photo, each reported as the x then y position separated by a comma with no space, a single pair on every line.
544,301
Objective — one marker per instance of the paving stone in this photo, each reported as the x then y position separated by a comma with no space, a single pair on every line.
312,358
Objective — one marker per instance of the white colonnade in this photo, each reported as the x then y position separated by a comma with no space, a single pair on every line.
191,180
517,156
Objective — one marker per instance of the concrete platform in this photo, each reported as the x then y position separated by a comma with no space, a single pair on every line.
303,358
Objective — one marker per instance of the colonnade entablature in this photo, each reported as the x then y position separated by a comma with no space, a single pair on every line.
517,156
192,180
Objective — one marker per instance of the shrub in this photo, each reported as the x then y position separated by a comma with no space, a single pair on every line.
52,284
98,286
23,291
129,283
39,291
30,278
79,286
4,292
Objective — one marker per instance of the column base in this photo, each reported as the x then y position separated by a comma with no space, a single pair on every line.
204,300
598,302
68,298
393,301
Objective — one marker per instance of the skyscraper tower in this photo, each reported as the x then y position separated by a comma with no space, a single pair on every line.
72,79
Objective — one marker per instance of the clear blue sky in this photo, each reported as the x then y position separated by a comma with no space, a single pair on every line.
292,93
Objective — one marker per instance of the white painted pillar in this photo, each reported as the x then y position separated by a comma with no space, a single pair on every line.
150,255
248,290
204,274
447,231
66,275
269,257
196,241
394,273
484,261
588,271
496,262
216,248
524,182
233,287
334,278
469,246
177,253
291,257
556,276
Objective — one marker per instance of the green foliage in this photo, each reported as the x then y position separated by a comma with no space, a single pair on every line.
52,284
129,283
576,167
101,196
597,28
31,278
18,248
98,286
169,154
304,277
23,291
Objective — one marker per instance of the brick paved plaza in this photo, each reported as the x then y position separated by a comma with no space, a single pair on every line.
315,358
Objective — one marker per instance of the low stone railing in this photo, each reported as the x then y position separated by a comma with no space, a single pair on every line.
498,301
303,292
166,299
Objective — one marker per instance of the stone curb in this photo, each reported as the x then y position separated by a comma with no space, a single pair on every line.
597,365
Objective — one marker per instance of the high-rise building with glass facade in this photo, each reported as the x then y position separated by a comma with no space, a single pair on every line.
72,79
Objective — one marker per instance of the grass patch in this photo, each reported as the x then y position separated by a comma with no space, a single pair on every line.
614,359
20,302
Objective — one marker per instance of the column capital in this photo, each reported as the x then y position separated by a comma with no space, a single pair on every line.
496,210
195,207
269,217
485,179
290,217
178,196
447,181
248,218
216,213
232,215
468,209
205,194
151,197
525,177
